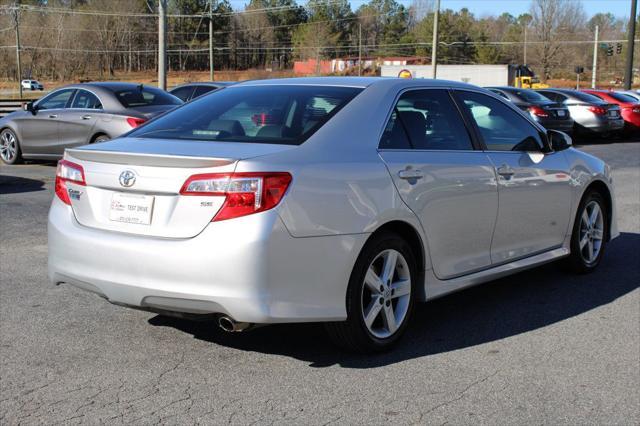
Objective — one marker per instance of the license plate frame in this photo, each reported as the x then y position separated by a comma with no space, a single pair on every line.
129,208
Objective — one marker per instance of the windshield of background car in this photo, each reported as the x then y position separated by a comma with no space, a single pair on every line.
145,96
531,96
621,97
286,114
586,97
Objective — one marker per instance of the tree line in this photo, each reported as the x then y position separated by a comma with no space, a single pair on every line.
67,39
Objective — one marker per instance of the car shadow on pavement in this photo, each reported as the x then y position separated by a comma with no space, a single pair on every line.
497,310
16,185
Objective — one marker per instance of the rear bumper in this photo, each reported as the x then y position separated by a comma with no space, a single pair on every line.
248,268
604,125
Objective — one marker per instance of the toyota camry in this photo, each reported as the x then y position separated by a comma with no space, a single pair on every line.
339,200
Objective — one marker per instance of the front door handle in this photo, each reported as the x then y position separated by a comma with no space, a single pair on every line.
506,171
86,117
53,115
410,173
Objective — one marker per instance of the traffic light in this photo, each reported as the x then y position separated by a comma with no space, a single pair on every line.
610,50
619,48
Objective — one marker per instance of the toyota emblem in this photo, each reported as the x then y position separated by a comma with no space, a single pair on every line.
127,178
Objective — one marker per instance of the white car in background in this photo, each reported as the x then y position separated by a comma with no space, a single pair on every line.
31,85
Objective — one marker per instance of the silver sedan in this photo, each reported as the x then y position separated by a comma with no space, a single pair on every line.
339,200
76,115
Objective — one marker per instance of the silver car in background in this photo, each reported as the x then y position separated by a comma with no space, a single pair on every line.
339,200
591,115
77,115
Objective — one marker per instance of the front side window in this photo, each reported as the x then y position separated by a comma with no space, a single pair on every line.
86,100
141,96
429,120
201,90
286,114
501,128
56,100
183,93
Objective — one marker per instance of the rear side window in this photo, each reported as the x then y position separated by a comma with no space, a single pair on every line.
531,96
144,96
86,100
429,120
556,97
586,97
286,114
501,128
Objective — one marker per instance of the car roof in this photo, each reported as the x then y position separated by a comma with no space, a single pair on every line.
206,83
361,82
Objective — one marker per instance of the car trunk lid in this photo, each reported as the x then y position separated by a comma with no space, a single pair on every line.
133,185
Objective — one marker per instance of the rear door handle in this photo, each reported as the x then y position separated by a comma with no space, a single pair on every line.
506,171
410,173
53,115
86,117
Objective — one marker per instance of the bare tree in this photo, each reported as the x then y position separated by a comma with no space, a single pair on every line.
554,21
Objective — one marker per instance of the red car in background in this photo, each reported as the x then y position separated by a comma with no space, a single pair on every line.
629,107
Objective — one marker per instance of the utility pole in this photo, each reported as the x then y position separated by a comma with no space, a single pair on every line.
524,59
16,17
434,48
359,48
211,40
594,69
628,74
162,45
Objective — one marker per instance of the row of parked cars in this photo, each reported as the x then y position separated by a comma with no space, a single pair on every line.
94,112
585,112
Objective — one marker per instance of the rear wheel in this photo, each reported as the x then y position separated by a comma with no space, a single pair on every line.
100,138
380,296
589,236
10,152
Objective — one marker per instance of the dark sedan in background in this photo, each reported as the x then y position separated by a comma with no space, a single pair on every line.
76,115
189,91
591,115
542,109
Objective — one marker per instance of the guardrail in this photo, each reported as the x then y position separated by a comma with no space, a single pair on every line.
7,106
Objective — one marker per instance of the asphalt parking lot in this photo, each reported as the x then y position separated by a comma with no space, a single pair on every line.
541,347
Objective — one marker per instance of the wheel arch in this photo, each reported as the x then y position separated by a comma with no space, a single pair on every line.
97,134
603,189
412,236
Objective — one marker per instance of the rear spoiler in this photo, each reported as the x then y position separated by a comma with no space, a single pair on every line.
146,159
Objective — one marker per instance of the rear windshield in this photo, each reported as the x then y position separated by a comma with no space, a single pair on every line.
586,97
257,114
144,96
621,97
531,96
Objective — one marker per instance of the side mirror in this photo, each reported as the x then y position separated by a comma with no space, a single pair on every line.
559,140
28,106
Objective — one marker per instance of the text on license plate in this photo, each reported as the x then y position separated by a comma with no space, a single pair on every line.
131,208
561,113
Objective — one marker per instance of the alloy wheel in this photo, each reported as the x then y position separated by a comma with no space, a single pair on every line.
386,294
8,146
591,232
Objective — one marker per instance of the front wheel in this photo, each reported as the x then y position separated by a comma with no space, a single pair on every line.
9,147
380,296
589,236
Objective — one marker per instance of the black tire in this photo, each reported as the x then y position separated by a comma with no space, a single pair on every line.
353,333
100,138
5,137
577,260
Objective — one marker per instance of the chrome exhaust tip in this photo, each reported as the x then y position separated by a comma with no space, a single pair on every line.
230,325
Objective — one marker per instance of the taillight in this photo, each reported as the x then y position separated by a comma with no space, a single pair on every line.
135,121
538,112
68,172
597,110
246,193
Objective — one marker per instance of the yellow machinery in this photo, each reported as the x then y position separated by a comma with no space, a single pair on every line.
526,78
